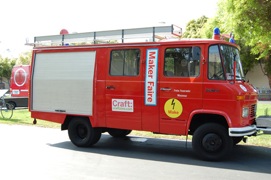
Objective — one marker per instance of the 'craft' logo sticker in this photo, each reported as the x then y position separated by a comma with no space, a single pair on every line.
123,105
173,108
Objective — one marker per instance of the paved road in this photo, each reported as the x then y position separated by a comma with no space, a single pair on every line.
31,152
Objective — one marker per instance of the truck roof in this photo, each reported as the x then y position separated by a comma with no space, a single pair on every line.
149,36
136,44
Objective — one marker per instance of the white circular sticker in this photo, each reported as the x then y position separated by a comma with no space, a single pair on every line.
20,77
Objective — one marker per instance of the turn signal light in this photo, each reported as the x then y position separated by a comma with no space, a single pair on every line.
240,98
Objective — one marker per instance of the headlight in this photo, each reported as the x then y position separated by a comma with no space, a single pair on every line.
245,112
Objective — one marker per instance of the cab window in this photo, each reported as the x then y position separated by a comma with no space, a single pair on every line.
215,68
124,62
182,62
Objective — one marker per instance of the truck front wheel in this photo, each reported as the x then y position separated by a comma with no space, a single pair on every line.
211,142
81,133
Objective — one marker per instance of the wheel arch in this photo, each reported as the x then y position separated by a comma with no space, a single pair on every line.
199,118
81,132
68,119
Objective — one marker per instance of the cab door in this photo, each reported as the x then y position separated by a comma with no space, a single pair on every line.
124,89
180,87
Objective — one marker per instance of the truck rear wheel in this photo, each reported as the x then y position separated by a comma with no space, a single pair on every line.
81,132
211,142
119,132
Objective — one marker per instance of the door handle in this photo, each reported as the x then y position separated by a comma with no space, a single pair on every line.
165,89
110,87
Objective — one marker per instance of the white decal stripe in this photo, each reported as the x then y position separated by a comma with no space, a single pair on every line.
151,77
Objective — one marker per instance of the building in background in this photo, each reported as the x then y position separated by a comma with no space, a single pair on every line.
260,81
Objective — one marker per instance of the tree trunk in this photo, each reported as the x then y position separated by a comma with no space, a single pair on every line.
267,68
269,80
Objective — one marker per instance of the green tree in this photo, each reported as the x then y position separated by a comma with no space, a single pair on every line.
194,27
6,65
226,21
248,59
204,29
24,58
251,23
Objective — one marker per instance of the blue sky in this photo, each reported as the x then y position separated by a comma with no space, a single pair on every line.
25,19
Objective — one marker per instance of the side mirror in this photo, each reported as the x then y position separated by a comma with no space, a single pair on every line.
196,53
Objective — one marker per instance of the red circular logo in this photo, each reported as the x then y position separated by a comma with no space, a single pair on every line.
20,77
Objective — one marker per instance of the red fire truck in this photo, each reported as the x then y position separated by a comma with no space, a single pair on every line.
163,84
19,86
19,81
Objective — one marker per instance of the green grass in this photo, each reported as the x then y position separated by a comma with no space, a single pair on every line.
263,109
22,117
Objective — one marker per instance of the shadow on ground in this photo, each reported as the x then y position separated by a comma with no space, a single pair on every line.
243,157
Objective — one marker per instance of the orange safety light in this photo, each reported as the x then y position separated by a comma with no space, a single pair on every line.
240,98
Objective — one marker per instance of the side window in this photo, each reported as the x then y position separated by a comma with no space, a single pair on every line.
182,62
124,62
215,69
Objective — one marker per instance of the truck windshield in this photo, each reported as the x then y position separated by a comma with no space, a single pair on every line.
221,63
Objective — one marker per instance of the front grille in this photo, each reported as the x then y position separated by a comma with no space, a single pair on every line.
253,110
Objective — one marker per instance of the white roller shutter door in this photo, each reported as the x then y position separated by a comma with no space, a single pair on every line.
63,82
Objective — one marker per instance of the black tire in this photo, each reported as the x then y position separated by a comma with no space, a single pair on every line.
119,132
211,142
81,132
6,112
236,140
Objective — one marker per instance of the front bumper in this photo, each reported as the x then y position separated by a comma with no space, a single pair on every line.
243,131
263,123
